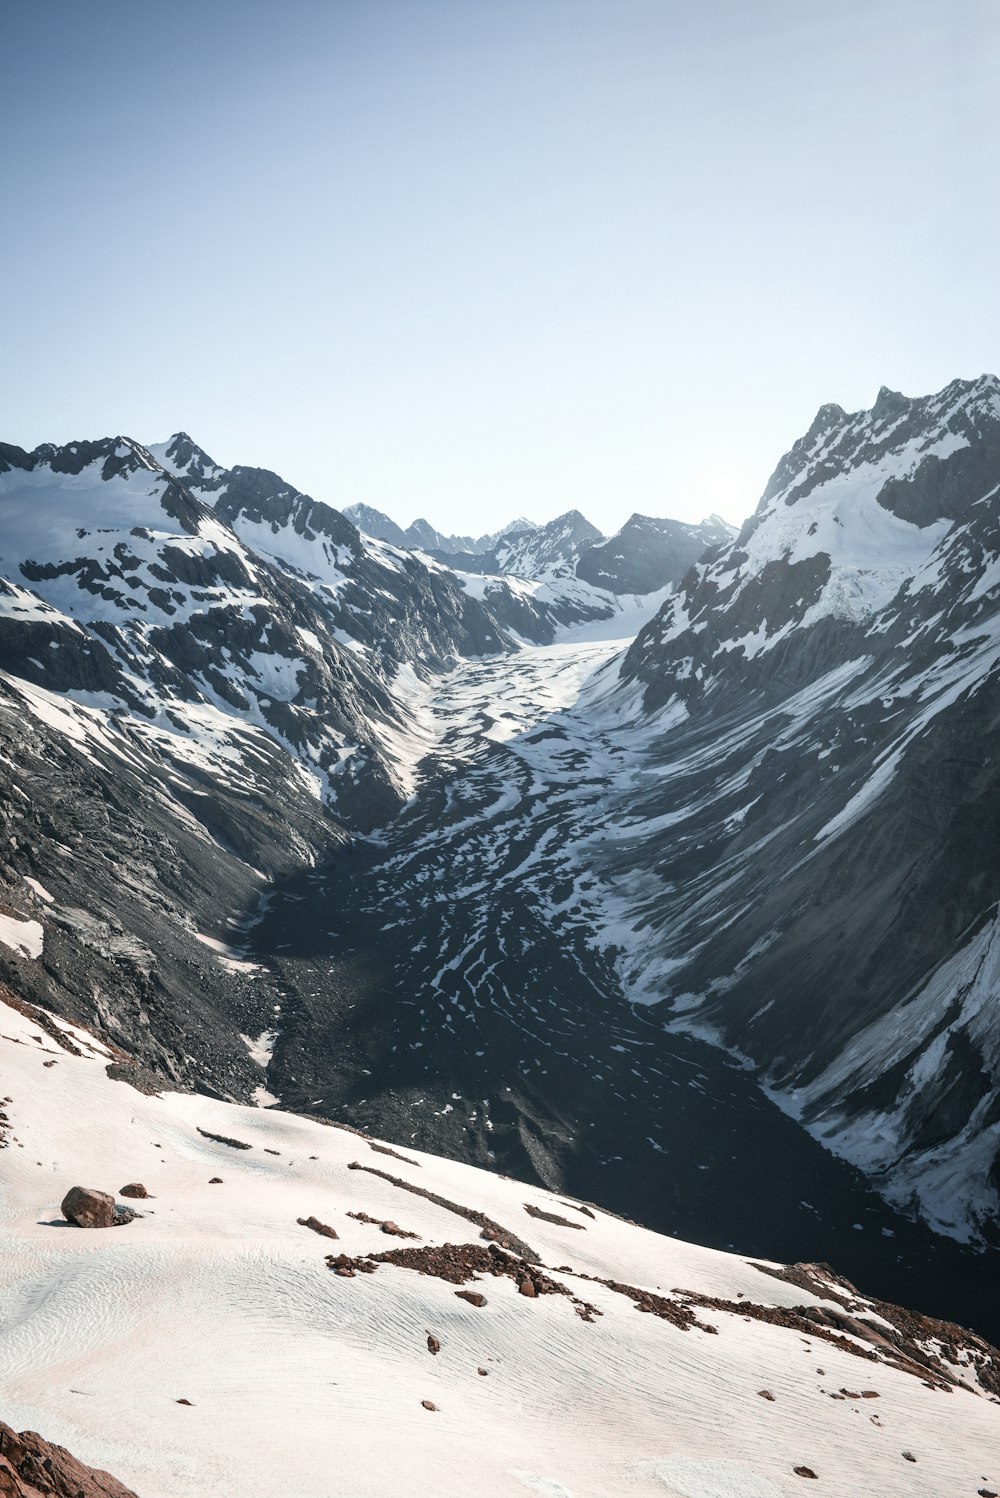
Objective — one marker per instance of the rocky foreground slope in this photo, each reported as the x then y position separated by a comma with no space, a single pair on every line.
300,1308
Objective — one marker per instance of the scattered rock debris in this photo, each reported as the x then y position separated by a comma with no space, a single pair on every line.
347,1267
457,1263
385,1149
491,1231
234,1144
937,1352
44,1021
323,1228
386,1225
562,1222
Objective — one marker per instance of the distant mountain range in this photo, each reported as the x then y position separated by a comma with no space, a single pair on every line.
643,556
422,536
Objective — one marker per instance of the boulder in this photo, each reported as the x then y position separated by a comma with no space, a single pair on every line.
88,1208
134,1189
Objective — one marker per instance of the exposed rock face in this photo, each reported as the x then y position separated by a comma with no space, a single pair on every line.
649,554
30,1467
423,536
839,667
533,551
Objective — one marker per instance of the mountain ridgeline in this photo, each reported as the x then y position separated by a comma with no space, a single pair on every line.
628,865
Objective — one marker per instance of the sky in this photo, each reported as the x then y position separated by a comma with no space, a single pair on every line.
477,259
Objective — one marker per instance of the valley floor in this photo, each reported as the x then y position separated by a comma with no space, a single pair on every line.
452,983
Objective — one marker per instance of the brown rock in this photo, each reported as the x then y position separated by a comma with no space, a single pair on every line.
433,1345
908,1456
472,1296
30,1465
804,1472
215,1181
183,1401
429,1404
322,1228
88,1208
483,1372
765,1394
528,1289
134,1189
869,1394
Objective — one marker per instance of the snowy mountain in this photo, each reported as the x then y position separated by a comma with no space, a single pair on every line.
421,535
299,1308
837,674
566,572
670,911
647,554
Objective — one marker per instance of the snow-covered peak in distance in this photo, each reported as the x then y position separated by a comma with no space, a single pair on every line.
302,1309
420,535
547,548
187,461
649,553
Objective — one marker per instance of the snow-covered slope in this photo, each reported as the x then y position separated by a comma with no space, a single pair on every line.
217,1344
825,896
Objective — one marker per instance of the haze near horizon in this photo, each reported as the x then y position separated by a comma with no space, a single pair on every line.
471,262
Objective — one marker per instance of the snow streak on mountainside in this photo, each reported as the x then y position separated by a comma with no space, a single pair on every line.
298,1309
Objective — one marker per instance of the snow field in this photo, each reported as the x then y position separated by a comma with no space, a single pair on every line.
309,1385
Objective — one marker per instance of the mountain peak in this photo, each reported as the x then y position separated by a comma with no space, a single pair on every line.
888,403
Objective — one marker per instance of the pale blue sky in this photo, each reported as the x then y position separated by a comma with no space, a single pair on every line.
479,258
